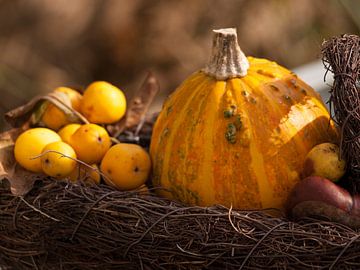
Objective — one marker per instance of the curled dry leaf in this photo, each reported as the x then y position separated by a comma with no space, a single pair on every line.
137,107
21,181
36,107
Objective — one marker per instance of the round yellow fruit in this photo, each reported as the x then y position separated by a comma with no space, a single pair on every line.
103,103
30,144
58,159
90,143
126,166
324,160
53,117
66,132
86,174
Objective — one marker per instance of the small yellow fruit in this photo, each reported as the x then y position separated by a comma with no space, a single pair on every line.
103,103
324,160
30,144
59,163
66,132
86,174
53,117
90,143
126,166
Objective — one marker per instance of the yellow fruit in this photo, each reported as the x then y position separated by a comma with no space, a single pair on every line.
67,131
126,166
324,160
237,132
90,143
30,144
59,163
53,117
103,103
86,174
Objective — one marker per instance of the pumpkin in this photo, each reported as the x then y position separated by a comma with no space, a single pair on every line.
237,132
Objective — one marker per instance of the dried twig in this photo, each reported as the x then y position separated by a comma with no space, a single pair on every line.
37,210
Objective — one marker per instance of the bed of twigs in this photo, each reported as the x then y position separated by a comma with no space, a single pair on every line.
61,225
341,56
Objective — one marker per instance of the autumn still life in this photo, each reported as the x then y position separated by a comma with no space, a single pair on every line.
244,167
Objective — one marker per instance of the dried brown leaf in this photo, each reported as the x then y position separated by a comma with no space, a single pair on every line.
21,181
138,106
20,115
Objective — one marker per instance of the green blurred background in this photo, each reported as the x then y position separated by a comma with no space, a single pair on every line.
49,43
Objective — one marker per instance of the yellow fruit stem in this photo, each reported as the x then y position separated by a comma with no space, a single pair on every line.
114,140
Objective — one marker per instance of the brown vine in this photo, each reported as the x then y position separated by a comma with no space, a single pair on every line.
341,56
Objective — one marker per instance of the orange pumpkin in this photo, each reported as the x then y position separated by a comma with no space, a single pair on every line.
237,132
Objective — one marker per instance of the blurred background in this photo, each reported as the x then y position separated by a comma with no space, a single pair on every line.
49,43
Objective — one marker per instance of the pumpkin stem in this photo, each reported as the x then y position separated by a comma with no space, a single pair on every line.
227,60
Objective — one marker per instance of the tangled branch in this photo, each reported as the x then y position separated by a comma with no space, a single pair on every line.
341,56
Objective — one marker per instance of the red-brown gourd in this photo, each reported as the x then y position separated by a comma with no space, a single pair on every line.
237,132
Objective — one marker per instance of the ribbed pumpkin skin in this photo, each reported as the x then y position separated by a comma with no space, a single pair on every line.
197,155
